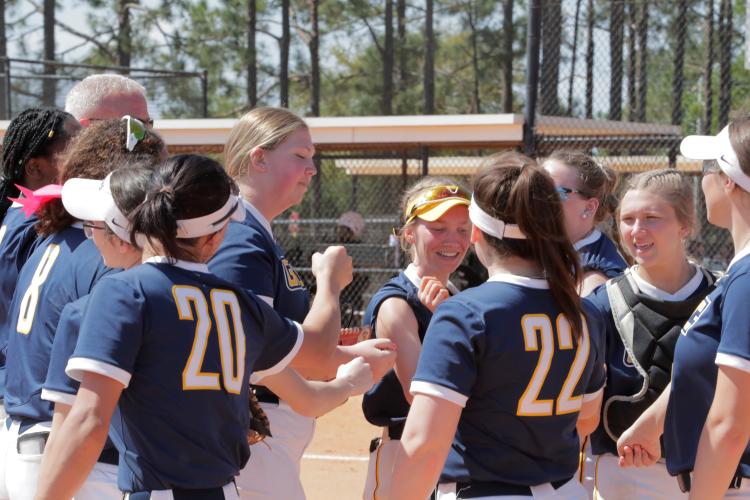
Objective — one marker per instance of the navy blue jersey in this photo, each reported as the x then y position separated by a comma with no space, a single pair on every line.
183,343
718,333
72,276
58,387
599,253
505,353
17,240
32,321
385,403
622,377
250,258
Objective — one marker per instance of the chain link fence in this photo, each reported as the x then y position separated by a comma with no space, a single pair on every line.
26,82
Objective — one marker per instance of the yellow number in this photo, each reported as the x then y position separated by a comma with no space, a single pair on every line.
3,229
192,306
31,297
293,280
539,326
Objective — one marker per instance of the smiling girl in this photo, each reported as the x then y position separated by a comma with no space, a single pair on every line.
645,307
435,232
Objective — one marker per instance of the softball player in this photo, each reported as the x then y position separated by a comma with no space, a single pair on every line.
506,368
645,310
707,419
192,341
58,272
435,231
269,154
585,188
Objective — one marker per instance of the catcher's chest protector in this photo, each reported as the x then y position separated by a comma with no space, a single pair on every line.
649,329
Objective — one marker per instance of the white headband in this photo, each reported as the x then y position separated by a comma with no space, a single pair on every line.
716,147
494,227
233,209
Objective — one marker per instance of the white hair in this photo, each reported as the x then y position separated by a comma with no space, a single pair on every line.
87,95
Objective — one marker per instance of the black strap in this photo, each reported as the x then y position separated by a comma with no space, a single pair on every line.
265,395
685,482
479,489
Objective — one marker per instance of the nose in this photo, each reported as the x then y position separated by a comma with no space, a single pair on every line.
638,226
312,168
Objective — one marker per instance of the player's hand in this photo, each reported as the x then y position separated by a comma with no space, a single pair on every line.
333,266
432,292
380,354
357,374
639,446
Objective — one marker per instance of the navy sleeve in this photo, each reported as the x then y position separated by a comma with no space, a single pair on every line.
58,387
595,323
111,332
449,353
244,260
734,346
280,339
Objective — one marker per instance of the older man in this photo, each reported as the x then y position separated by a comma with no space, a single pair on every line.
106,96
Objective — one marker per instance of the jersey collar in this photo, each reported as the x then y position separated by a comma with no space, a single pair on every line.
515,279
742,253
587,240
411,274
657,293
259,216
182,264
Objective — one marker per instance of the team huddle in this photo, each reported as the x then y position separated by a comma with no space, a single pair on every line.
156,343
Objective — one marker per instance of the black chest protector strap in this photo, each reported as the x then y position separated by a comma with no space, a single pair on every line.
649,329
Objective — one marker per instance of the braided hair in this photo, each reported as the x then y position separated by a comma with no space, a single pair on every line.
34,133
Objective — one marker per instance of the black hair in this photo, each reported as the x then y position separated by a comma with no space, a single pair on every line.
34,133
185,186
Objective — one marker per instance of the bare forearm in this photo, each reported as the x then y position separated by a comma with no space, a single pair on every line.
67,462
721,446
322,398
317,357
418,471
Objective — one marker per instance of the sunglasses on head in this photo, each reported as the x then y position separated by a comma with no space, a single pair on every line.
433,195
135,131
565,192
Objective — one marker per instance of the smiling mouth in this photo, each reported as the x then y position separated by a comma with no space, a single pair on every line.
642,247
449,255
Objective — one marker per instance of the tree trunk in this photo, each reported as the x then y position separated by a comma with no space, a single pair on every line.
574,47
590,60
284,69
401,24
4,65
632,62
429,61
725,61
708,70
124,46
550,75
507,62
251,54
386,105
314,60
678,76
476,105
642,61
48,84
616,23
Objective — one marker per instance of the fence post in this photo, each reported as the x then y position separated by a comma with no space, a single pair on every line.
204,88
532,76
425,161
7,95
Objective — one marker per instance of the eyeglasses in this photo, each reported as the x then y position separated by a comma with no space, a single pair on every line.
88,229
566,192
148,122
135,131
432,196
710,167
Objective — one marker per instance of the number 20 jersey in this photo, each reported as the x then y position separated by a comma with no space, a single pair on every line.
505,353
183,343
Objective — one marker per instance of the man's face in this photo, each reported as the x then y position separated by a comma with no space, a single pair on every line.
117,106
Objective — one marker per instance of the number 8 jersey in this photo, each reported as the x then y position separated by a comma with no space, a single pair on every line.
505,353
183,343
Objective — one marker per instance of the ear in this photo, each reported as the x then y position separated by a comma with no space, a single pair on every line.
592,205
257,159
476,235
33,171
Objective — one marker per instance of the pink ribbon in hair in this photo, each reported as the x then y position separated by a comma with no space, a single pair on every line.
33,200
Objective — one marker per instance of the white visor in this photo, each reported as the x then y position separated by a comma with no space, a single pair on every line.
716,147
233,209
88,199
492,226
